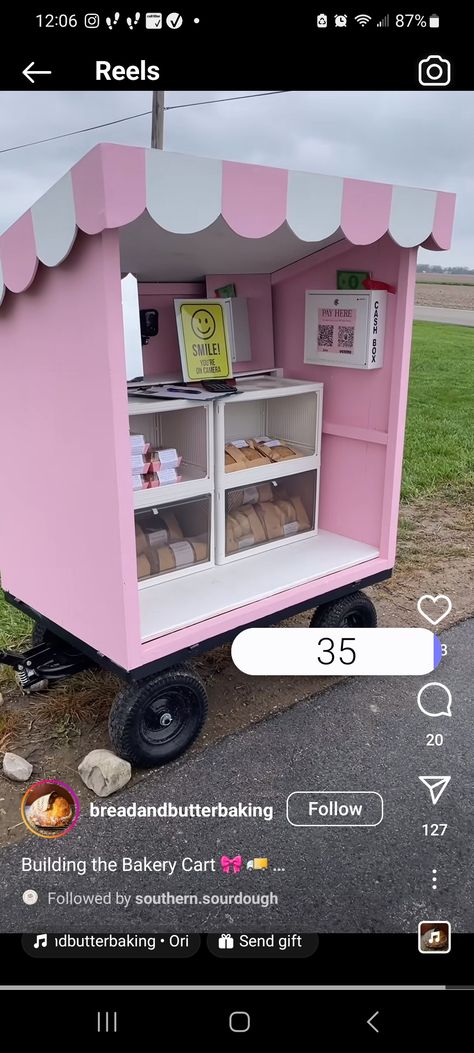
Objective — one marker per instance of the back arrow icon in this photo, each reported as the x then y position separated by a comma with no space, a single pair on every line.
374,1028
28,71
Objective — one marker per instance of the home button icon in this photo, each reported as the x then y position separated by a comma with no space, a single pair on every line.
239,1022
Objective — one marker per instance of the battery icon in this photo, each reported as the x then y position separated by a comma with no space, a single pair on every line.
434,21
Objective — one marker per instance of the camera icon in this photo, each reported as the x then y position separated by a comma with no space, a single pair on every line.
91,21
434,72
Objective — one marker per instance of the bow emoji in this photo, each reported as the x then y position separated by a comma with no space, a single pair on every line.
235,863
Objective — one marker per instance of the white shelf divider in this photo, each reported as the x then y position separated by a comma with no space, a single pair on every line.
193,484
284,409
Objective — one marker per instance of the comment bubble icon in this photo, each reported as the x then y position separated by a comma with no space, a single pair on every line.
435,700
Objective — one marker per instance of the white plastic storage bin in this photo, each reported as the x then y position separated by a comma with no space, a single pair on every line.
182,426
250,428
174,539
268,514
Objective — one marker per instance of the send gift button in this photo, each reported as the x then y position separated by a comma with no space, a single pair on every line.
334,808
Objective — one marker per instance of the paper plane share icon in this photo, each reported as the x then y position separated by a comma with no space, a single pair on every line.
436,784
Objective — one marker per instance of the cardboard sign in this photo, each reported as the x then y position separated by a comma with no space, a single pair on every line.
203,339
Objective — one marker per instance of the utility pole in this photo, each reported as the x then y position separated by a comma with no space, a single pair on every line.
157,119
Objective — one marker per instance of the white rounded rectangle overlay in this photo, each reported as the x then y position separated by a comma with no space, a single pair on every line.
336,652
332,811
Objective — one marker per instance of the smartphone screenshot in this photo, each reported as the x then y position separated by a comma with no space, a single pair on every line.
236,520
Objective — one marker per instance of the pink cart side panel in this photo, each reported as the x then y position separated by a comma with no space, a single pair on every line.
352,488
358,424
66,529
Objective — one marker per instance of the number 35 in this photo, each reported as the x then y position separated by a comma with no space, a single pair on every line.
344,650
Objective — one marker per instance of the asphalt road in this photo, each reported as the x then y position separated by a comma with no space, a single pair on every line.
445,315
360,735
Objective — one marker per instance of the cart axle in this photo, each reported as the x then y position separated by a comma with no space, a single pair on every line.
43,664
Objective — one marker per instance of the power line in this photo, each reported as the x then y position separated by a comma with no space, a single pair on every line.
134,116
232,98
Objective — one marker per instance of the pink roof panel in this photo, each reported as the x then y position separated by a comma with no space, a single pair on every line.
113,185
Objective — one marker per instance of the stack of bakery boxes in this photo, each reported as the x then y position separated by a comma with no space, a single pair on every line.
152,467
259,491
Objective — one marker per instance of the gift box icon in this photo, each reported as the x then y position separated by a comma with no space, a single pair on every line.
225,942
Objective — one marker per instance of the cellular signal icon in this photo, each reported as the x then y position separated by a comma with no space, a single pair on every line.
384,22
363,20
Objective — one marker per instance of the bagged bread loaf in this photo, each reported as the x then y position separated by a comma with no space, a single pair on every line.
301,514
271,519
180,554
140,540
143,566
277,516
239,457
274,450
244,528
250,496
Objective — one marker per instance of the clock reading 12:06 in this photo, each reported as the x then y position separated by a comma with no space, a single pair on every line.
59,21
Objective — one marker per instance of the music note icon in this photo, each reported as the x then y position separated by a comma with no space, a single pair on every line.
434,936
41,941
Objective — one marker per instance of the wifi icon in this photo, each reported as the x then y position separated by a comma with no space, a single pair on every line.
363,19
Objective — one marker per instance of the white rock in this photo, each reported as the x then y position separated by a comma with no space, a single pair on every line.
16,768
1,699
104,773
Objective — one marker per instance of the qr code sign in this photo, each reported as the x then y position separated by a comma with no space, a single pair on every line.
325,336
346,338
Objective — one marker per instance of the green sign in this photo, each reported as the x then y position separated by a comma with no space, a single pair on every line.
352,279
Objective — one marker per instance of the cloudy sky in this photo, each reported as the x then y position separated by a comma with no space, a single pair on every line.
418,138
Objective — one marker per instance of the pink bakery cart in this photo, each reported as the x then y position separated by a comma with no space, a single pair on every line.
286,495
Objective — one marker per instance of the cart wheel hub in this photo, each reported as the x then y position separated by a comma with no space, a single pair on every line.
165,720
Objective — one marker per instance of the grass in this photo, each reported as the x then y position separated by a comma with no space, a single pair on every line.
439,442
15,628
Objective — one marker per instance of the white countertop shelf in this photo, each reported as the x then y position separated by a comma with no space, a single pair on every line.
138,406
165,608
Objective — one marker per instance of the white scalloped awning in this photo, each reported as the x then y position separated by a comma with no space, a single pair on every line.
287,214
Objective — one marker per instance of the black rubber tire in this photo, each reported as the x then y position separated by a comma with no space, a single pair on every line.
355,611
136,730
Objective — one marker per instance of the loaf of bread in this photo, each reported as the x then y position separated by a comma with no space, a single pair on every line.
283,452
244,528
179,554
301,514
238,458
271,519
250,496
174,530
140,539
143,567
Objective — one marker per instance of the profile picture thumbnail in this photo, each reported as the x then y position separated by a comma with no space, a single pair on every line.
50,809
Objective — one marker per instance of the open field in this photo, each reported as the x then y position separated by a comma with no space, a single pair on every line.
446,279
445,293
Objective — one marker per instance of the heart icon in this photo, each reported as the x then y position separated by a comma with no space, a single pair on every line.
428,601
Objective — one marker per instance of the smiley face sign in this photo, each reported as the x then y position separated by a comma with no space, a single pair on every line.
203,324
203,339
